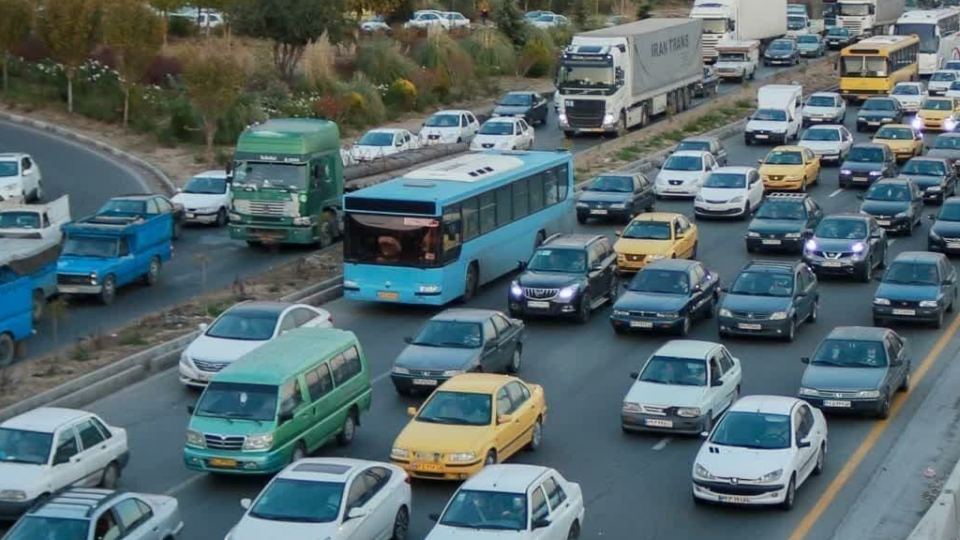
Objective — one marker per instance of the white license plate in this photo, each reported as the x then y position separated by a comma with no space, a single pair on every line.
953,245
655,422
832,264
538,304
749,326
599,212
883,223
837,404
734,499
860,179
191,216
424,382
909,312
769,242
873,123
761,136
641,324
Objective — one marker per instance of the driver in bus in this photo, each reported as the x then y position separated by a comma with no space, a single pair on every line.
390,248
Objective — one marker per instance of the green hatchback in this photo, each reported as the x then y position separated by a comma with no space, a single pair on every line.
280,402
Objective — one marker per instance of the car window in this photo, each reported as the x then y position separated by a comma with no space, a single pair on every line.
287,323
152,207
607,248
489,332
893,346
103,429
538,505
89,435
374,478
67,446
302,316
797,425
145,508
107,527
501,324
716,370
164,205
554,492
130,514
684,224
697,274
357,496
806,420
517,396
594,254
504,405
318,382
124,249
352,366
726,361
290,396
27,163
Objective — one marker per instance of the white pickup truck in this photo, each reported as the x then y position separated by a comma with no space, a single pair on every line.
40,221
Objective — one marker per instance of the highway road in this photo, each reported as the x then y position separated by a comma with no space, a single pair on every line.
635,486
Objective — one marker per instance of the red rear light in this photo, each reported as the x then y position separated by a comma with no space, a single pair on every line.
407,479
330,318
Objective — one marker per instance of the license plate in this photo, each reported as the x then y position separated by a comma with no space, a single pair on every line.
909,312
860,179
191,216
883,223
641,324
832,264
873,123
749,326
733,499
953,245
655,422
388,295
424,382
599,212
761,136
769,242
217,462
837,404
430,467
538,304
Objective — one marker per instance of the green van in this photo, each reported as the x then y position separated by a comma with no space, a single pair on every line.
278,403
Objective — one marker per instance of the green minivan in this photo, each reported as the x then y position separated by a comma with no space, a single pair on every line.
279,402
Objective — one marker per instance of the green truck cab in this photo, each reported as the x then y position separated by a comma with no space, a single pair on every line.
287,183
278,403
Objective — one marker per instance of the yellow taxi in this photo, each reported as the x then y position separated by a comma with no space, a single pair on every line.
789,168
905,141
470,421
937,113
652,236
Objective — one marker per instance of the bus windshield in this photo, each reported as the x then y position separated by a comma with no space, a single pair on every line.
271,175
863,66
929,42
392,240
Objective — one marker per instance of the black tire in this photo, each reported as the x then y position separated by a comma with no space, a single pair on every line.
471,282
583,314
711,306
791,331
491,458
108,291
152,277
325,234
299,452
814,313
905,383
111,476
883,411
177,228
222,218
401,524
8,349
516,361
685,326
574,533
581,219
821,457
40,303
885,261
614,291
349,429
938,322
791,496
867,273
536,437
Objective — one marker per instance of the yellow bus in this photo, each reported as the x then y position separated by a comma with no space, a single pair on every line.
875,65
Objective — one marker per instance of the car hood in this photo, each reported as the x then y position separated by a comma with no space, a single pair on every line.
842,378
837,244
781,170
721,194
884,208
755,304
747,463
444,532
511,110
547,280
821,146
730,65
251,528
898,144
644,301
604,196
22,476
437,358
443,438
685,176
443,132
199,200
770,53
766,125
828,111
862,166
776,225
666,395
642,246
950,229
218,349
807,46
493,139
68,264
945,153
922,180
934,115
875,114
902,291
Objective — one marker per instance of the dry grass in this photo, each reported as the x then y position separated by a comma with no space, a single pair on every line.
319,60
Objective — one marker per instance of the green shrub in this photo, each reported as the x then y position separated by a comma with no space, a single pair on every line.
382,61
372,111
539,55
492,53
401,96
441,52
185,123
561,36
182,27
245,111
508,19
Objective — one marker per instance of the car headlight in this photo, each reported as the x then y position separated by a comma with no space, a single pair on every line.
428,289
629,407
772,476
808,392
302,221
13,495
562,118
235,217
901,215
620,313
868,393
689,412
753,234
700,471
462,456
778,316
881,301
618,206
668,315
792,235
698,198
582,205
195,439
656,257
568,293
452,372
401,453
846,171
401,370
262,441
888,119
929,303
737,199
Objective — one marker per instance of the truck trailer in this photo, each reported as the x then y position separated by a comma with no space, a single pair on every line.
739,20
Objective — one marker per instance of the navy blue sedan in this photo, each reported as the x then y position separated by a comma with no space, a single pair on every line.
667,295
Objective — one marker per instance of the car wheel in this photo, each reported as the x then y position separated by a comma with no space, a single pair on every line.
515,361
470,285
791,495
581,219
938,322
821,457
867,272
491,458
815,312
574,533
8,349
177,228
905,383
222,217
401,524
885,261
685,326
108,290
349,429
299,452
883,412
791,331
536,437
952,301
746,211
583,314
111,477
153,272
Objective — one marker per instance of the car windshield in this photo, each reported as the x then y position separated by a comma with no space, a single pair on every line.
781,45
947,143
888,192
456,334
244,324
89,246
300,501
771,209
943,76
497,128
443,120
456,408
651,280
911,273
647,230
22,446
952,65
878,105
849,229
486,510
937,105
124,206
863,66
862,154
614,184
694,146
821,134
8,169
822,101
906,90
955,85
754,430
924,167
839,32
683,163
770,115
393,240
850,353
48,528
894,133
949,212
290,176
810,40
558,260
19,220
376,138
257,402
676,371
516,100
206,186
731,57
763,284
796,22
784,157
723,180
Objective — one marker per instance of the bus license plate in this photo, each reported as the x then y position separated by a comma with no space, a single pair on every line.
735,499
883,223
909,312
425,382
598,212
832,264
771,242
641,324
386,295
217,462
837,404
656,422
748,326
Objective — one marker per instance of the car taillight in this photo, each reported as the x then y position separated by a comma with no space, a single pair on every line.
330,319
407,479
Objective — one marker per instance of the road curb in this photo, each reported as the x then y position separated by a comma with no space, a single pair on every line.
942,520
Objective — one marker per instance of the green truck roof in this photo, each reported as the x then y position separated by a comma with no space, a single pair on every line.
291,353
290,136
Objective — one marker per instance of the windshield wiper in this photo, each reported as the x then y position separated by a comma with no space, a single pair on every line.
243,416
828,363
18,460
454,344
424,344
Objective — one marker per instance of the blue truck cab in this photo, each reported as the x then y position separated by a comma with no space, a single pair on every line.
104,252
27,274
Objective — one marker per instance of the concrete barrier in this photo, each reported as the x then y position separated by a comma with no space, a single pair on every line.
942,520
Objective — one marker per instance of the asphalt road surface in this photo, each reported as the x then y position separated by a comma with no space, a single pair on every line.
636,487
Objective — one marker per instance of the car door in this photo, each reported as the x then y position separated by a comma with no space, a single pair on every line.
754,189
597,275
68,467
917,141
732,375
127,266
493,355
29,175
509,336
897,367
303,317
323,403
136,520
805,456
562,512
609,262
814,215
890,162
645,197
877,241
473,125
507,431
527,132
949,274
718,150
687,238
815,164
358,495
94,452
916,201
524,413
846,140
699,296
808,281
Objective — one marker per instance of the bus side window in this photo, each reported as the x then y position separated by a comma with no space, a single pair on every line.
550,189
536,193
451,233
521,199
563,173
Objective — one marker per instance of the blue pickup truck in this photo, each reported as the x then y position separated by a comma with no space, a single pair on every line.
28,272
106,251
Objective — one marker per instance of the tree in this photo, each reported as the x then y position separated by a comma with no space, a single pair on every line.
165,7
15,25
643,9
380,7
134,34
68,28
580,15
290,24
509,20
214,76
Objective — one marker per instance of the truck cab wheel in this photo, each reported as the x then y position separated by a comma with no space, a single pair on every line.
7,350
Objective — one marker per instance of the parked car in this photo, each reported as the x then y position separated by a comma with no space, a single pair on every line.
770,299
910,95
684,387
712,145
382,142
683,173
904,141
838,37
940,81
427,19
146,205
616,196
935,177
857,369
919,286
783,222
49,449
782,52
504,134
241,329
847,245
535,14
944,234
530,106
866,163
448,127
205,198
830,143
729,192
895,203
455,19
374,24
877,111
358,500
20,178
811,45
550,20
458,341
824,108
710,84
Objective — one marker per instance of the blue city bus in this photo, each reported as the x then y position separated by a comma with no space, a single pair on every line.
440,232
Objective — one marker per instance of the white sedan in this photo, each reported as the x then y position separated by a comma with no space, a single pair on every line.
205,198
910,95
512,502
763,449
329,498
684,387
550,20
829,143
729,191
427,19
941,80
20,178
448,127
824,108
684,173
455,19
504,133
241,329
380,143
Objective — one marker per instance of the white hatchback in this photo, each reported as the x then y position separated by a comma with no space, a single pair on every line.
729,192
910,95
824,108
941,80
380,143
683,173
448,127
504,133
760,452
206,198
20,178
829,143
524,502
329,498
48,449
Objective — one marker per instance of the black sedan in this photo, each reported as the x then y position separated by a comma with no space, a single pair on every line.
147,205
935,177
616,196
866,163
896,204
838,38
782,52
783,222
946,146
919,286
457,341
770,299
878,111
530,106
944,235
847,245
857,369
667,295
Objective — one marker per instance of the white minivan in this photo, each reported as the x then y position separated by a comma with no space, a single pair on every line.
778,118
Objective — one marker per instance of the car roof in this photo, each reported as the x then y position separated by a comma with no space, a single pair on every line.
765,404
503,120
260,306
881,98
693,153
734,169
672,264
519,93
949,135
880,146
687,348
772,266
386,130
847,215
904,126
938,98
75,503
464,315
216,173
277,361
825,126
571,240
45,419
332,469
788,148
893,181
451,111
136,196
512,478
481,383
951,201
926,257
657,216
6,156
700,139
825,94
867,333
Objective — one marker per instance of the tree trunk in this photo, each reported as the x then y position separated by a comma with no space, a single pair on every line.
165,27
69,74
126,105
5,59
210,131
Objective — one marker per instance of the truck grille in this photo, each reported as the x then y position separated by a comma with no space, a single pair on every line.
539,293
265,208
68,279
710,45
855,27
223,442
584,113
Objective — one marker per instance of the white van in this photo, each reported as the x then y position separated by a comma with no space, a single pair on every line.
778,117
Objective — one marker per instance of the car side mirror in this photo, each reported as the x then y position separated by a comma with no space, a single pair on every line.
434,517
356,513
408,340
504,419
760,161
191,409
412,411
617,233
932,217
284,417
595,267
522,265
704,434
203,326
805,359
859,196
246,503
715,380
541,523
803,444
179,190
896,363
634,375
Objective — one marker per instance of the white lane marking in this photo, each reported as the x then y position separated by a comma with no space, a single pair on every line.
891,241
662,444
835,193
185,484
380,377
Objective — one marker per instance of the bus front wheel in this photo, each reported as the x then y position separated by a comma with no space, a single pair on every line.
471,282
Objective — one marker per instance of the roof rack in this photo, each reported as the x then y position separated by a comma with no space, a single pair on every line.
89,499
786,195
771,263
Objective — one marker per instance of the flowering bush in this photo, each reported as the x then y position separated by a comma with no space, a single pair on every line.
401,95
331,107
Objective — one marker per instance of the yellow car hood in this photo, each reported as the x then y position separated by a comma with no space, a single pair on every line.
634,246
781,170
934,115
444,438
896,144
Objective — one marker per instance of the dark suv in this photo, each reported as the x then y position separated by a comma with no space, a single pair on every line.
770,298
783,222
847,244
568,276
866,163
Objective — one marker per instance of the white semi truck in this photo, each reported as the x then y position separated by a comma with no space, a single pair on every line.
616,78
739,20
866,18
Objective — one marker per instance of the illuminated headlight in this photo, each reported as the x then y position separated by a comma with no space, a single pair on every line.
737,199
846,171
562,118
428,289
607,119
582,205
868,394
929,303
350,284
262,441
792,235
881,302
811,245
917,122
234,217
700,471
401,453
452,372
874,173
949,124
516,290
753,234
778,316
618,206
724,312
302,221
656,257
13,495
668,315
195,439
886,119
935,188
772,476
689,412
567,293
808,392
631,407
462,456
401,370
901,215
